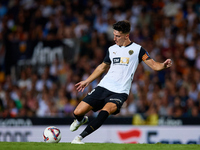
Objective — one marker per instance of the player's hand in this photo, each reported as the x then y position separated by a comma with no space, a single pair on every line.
81,86
167,63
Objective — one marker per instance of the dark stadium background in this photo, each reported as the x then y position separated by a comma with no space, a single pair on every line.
46,46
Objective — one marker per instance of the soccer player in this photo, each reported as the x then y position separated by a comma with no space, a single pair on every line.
113,90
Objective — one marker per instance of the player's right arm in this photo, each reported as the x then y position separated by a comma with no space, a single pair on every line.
97,72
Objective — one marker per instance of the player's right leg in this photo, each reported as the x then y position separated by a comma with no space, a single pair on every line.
93,101
79,113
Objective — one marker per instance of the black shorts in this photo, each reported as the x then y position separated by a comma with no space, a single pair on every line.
99,96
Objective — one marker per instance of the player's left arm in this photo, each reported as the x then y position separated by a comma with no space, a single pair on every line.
157,66
145,57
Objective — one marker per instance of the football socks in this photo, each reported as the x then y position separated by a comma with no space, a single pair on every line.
96,123
79,118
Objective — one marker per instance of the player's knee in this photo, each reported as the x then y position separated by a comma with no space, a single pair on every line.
82,109
77,112
110,108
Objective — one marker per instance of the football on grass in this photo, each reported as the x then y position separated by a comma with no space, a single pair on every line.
51,135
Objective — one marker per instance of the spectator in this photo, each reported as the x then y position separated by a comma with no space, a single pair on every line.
171,8
3,10
191,16
23,82
44,82
44,105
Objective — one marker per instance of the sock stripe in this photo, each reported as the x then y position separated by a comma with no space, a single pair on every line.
92,127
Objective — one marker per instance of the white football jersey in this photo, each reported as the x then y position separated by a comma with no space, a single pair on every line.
123,62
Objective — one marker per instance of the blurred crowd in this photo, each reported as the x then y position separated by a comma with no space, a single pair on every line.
165,28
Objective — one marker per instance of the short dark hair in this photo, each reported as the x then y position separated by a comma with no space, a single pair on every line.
123,26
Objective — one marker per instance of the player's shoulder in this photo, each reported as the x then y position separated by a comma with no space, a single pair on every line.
135,45
113,46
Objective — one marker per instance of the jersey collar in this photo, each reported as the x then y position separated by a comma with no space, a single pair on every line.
127,45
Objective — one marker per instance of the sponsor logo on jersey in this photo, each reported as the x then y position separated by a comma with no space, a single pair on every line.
131,52
124,60
116,60
121,60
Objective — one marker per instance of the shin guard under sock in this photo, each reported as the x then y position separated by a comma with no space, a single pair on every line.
96,123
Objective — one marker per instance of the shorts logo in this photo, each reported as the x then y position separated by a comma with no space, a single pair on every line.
91,92
115,99
121,60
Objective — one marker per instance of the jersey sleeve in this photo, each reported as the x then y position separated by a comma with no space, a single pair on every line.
143,55
107,58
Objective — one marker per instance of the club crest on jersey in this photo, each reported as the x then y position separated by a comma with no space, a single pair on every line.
130,52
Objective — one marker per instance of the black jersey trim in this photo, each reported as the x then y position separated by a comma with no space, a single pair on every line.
127,45
106,63
143,55
107,58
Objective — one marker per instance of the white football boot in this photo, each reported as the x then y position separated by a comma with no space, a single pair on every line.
77,140
76,124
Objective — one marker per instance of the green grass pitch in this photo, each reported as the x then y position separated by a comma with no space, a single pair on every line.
93,146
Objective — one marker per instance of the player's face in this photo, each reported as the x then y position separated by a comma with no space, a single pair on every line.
119,37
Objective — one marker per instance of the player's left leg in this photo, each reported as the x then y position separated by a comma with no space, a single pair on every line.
108,109
79,113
